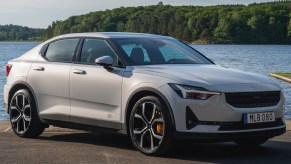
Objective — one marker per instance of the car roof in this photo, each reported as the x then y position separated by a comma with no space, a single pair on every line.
113,35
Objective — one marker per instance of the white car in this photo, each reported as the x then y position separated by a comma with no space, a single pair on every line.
153,88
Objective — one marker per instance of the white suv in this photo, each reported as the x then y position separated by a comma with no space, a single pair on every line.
153,88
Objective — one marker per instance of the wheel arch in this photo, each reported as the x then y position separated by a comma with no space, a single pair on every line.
17,86
138,94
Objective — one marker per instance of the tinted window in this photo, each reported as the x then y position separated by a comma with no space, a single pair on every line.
62,50
151,51
171,53
95,48
128,48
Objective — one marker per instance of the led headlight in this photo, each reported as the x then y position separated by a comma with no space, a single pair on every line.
191,92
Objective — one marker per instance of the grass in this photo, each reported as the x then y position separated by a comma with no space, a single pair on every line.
284,74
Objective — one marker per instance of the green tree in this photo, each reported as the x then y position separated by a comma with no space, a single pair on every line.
289,29
254,23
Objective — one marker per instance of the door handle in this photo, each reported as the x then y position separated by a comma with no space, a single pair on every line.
38,68
79,72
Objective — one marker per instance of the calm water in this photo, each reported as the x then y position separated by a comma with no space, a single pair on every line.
260,59
8,51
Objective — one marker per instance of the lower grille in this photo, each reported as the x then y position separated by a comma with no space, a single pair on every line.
253,99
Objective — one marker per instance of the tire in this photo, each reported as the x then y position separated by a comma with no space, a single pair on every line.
150,126
23,115
251,142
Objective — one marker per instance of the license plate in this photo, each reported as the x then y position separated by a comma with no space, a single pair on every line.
252,118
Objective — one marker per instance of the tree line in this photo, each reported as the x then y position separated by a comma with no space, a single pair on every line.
20,33
255,23
263,23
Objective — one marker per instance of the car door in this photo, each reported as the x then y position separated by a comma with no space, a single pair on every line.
49,78
95,92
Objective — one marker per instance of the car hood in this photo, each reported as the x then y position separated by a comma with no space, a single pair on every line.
211,77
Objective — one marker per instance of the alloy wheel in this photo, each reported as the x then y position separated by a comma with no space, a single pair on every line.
20,113
148,126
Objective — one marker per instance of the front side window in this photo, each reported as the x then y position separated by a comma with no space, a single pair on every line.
61,50
152,51
95,48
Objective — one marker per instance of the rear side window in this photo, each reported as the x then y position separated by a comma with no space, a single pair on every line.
62,50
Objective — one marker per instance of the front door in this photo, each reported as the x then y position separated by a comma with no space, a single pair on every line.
94,91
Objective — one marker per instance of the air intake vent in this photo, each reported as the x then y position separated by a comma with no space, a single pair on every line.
253,99
191,119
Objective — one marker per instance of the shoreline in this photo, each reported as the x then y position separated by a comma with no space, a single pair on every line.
212,42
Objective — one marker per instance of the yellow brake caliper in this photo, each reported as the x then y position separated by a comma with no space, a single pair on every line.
159,126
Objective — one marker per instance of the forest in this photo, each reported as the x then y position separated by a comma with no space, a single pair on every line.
20,33
263,23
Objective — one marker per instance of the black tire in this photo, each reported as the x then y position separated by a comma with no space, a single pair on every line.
152,134
23,115
251,142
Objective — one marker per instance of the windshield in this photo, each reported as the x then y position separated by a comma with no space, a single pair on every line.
152,51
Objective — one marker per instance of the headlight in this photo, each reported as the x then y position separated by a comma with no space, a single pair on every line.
191,92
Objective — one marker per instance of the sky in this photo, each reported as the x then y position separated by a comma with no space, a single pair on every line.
41,13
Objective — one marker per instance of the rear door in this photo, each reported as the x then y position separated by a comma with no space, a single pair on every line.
49,78
94,91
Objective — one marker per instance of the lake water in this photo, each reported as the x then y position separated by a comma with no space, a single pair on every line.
261,59
8,51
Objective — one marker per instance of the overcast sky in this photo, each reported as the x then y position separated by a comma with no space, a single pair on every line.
41,13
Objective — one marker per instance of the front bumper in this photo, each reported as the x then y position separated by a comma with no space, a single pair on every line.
215,116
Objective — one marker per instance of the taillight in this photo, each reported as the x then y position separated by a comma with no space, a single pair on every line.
8,69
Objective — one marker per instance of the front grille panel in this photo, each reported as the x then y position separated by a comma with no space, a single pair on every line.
253,99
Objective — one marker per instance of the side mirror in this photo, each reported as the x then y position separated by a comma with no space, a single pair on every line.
105,61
